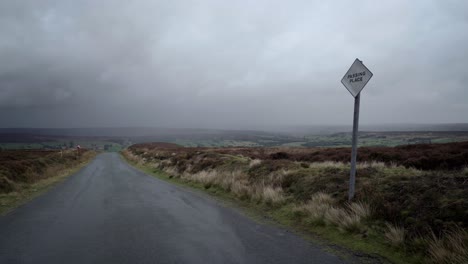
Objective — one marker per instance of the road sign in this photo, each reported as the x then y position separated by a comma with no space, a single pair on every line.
356,78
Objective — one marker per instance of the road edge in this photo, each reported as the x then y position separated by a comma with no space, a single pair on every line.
261,215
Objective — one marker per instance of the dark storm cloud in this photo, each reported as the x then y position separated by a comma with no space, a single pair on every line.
229,64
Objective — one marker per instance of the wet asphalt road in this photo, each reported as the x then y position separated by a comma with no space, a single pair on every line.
111,213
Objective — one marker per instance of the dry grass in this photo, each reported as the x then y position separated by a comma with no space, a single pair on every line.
350,218
316,208
234,181
316,189
18,167
272,195
254,162
322,209
206,178
451,248
395,235
370,164
132,157
344,220
346,165
449,156
360,209
171,171
328,164
322,198
32,180
240,190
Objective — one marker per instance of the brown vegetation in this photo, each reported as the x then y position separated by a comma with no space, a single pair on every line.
411,195
449,156
19,167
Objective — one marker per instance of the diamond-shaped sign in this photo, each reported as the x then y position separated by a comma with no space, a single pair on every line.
356,78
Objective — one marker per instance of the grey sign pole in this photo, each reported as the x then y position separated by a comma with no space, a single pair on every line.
352,176
354,80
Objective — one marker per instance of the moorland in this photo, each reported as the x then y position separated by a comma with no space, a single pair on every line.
411,203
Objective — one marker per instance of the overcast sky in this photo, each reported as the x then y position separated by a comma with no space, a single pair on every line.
230,64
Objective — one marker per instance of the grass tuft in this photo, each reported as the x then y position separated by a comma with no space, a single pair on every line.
272,195
316,208
360,209
254,162
395,235
451,248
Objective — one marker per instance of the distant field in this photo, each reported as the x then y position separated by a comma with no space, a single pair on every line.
388,139
63,144
232,139
385,138
411,201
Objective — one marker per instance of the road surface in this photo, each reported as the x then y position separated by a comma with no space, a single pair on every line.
111,213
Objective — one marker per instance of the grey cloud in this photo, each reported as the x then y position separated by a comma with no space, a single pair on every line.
229,64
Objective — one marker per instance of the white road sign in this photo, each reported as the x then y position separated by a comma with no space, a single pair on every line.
356,78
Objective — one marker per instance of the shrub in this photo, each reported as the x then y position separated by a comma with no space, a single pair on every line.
279,155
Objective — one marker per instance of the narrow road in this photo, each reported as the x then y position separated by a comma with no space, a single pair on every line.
111,213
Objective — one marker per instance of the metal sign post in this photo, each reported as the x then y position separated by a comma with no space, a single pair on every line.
354,80
352,176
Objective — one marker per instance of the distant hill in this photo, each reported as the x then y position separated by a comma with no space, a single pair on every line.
155,131
306,136
330,129
121,131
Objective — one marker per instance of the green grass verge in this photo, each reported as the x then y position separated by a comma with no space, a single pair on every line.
27,192
371,249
